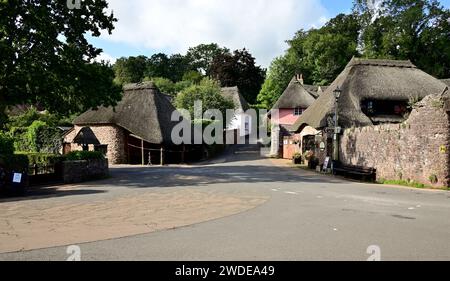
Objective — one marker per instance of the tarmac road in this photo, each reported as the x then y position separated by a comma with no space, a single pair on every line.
306,217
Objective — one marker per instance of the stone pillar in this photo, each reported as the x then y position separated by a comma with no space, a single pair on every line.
275,147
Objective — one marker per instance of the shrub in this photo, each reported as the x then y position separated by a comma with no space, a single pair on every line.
297,156
434,179
44,159
6,144
14,162
84,155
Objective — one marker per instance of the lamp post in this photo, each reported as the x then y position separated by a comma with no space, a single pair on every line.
337,94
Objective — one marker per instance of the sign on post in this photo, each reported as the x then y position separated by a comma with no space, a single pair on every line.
17,178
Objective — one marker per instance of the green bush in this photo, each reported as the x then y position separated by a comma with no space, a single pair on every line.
84,155
297,156
45,159
6,144
15,162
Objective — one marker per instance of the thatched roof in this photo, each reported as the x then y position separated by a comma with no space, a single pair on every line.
369,79
295,95
143,111
446,81
232,93
86,136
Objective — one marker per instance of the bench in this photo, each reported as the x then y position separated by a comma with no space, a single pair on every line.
364,173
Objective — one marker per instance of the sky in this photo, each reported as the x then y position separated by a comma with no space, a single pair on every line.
147,27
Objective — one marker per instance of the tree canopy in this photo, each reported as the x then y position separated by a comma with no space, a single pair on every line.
46,59
416,30
209,93
239,69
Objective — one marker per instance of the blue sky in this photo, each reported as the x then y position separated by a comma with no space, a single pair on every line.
147,27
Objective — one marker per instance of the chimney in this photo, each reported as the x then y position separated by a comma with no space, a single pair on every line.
300,78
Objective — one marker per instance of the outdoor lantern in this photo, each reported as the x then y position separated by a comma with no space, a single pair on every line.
337,93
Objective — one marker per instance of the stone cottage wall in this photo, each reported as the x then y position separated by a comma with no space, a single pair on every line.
111,135
415,150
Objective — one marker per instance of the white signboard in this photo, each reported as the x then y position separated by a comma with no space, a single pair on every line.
17,178
327,162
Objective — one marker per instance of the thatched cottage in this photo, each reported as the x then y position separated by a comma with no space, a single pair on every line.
446,81
242,122
393,120
136,131
290,106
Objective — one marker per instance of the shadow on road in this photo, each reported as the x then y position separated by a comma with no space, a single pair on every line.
49,192
239,164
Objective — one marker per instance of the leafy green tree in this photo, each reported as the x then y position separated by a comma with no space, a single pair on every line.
202,56
280,73
418,30
209,93
46,59
193,76
165,85
130,70
158,66
239,69
6,144
319,54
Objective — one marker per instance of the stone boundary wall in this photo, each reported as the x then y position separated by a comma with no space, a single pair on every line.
80,171
416,150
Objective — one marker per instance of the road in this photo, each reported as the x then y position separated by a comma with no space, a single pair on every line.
294,215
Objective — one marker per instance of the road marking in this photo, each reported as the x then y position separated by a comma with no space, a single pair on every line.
291,193
412,208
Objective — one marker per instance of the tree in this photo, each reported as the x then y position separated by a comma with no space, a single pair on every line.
165,85
158,66
45,57
418,30
280,73
209,93
202,56
172,68
239,69
319,54
131,69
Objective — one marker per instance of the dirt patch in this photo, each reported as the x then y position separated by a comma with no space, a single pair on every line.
28,225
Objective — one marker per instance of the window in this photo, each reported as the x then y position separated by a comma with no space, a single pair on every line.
386,111
384,107
298,111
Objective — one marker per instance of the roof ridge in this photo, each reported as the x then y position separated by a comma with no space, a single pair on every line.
381,62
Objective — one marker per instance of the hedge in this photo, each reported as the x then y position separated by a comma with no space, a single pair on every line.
15,162
6,144
84,155
46,159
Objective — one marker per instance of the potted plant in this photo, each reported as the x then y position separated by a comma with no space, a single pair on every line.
297,158
308,156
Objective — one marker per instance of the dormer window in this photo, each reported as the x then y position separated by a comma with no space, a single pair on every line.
298,111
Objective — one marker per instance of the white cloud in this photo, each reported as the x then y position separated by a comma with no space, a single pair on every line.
106,58
262,26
